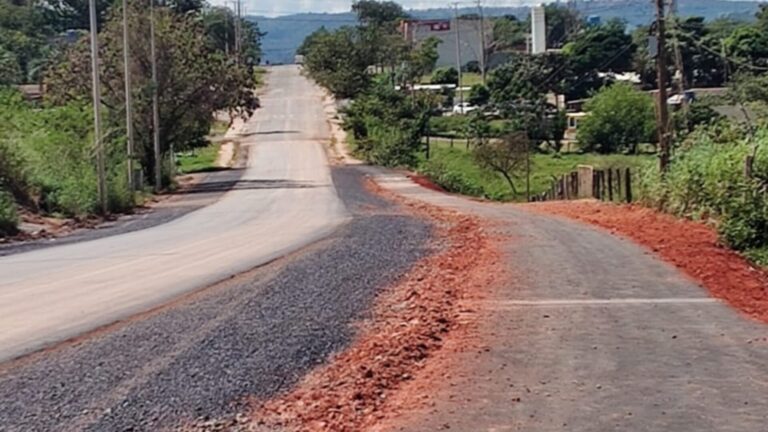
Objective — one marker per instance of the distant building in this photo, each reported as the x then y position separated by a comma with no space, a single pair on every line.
470,37
538,30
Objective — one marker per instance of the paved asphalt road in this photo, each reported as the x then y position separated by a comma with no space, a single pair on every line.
594,333
284,200
254,335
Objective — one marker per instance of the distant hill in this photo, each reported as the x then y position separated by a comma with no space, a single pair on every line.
286,33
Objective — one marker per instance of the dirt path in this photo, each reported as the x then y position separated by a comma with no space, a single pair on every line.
594,333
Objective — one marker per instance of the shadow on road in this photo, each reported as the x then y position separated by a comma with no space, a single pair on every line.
223,186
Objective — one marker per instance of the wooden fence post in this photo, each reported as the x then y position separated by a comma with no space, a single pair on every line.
619,190
628,185
610,185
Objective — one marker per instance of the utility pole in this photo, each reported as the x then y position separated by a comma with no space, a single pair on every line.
679,66
96,88
482,39
155,101
238,31
458,56
128,96
661,71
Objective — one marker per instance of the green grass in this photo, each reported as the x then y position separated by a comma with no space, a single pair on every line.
258,75
203,159
456,169
758,256
468,79
198,160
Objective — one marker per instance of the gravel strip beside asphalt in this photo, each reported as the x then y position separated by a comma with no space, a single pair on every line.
255,335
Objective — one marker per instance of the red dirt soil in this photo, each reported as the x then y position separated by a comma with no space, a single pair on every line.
691,246
412,321
425,182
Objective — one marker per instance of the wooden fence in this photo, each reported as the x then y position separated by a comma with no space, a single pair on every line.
587,182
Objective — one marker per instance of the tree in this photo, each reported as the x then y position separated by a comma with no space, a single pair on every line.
219,25
75,14
619,118
606,47
507,156
562,24
445,76
378,13
479,95
525,80
10,72
420,61
337,60
508,33
748,47
194,80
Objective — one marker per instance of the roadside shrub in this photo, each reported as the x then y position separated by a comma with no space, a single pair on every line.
445,76
479,95
619,119
8,216
450,180
706,180
47,158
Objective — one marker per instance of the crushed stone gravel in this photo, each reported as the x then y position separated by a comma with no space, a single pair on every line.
201,357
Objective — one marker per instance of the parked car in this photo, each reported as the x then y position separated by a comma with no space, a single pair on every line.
464,108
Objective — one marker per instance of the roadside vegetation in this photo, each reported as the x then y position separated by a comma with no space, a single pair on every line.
515,137
47,153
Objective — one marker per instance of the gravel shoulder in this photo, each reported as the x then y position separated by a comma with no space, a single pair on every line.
592,332
254,335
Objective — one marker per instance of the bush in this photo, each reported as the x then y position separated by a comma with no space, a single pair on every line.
479,95
47,159
619,119
445,76
8,216
450,180
706,181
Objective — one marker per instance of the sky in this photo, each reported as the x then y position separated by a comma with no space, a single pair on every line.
284,7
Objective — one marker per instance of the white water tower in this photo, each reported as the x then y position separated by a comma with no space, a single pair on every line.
538,30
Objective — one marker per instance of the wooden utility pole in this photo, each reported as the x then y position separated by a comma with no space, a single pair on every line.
101,171
662,111
679,65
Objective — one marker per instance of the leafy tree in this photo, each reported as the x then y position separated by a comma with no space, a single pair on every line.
562,24
194,80
219,25
420,61
24,34
619,118
606,47
508,33
75,14
10,72
748,46
378,13
525,80
507,156
479,95
337,60
445,76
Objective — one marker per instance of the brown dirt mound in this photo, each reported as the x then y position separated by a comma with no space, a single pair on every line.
691,246
411,322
